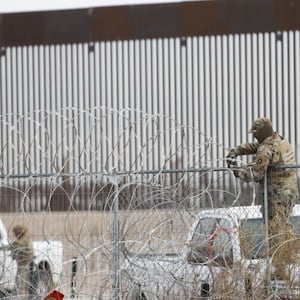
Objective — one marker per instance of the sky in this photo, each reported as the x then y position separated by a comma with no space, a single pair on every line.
7,6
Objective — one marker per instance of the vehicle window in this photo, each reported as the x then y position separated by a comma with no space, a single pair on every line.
295,221
211,242
253,236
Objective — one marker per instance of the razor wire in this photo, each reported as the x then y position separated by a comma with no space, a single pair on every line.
111,185
75,143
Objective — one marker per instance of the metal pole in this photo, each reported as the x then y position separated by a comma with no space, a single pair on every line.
74,273
116,238
266,216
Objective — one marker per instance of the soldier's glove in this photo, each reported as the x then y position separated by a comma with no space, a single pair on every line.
232,164
231,158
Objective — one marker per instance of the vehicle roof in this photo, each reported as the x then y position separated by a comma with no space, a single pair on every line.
240,212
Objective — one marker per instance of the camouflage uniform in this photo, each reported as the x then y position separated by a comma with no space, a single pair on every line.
22,251
271,151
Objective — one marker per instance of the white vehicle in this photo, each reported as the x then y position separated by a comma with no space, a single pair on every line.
48,256
223,257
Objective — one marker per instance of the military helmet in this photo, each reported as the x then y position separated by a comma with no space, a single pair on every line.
20,230
259,124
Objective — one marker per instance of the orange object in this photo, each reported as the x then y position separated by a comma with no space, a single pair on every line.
55,295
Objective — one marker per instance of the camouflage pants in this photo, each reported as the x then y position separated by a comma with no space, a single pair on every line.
279,225
280,206
23,281
280,240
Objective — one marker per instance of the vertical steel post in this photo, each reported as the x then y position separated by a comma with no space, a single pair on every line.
266,220
116,238
74,273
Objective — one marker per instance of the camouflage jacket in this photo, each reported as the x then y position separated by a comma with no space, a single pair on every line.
274,151
22,251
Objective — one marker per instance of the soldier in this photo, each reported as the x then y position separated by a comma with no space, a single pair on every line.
22,252
271,151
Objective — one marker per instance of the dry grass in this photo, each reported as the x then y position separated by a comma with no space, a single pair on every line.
88,237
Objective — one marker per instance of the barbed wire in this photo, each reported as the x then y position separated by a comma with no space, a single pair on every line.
116,187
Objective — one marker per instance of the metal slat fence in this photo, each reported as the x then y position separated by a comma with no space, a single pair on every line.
206,82
61,99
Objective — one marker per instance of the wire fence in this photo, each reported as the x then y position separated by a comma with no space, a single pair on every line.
108,232
136,245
